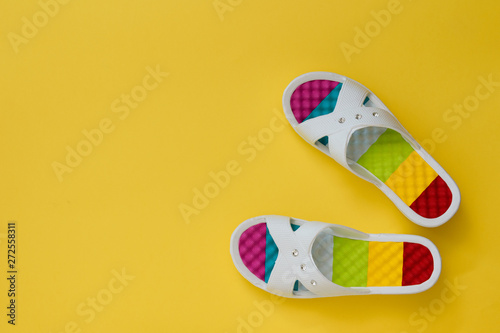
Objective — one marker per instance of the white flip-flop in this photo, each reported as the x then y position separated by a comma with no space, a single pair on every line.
346,121
300,259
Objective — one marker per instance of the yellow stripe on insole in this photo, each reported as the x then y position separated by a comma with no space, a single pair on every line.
385,264
411,178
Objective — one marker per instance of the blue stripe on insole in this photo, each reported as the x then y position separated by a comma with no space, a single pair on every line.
327,105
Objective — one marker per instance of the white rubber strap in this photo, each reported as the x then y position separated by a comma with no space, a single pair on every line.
349,115
352,95
290,268
370,116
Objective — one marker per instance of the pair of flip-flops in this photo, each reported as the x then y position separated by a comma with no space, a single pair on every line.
300,259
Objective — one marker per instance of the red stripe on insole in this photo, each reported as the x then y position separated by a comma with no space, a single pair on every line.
417,264
434,201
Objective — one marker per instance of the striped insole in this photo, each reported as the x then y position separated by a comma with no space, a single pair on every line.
346,262
383,152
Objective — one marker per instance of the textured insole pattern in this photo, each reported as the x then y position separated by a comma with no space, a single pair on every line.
259,252
383,152
358,263
347,262
309,95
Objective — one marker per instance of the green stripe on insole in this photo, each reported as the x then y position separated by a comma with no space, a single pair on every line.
350,262
386,154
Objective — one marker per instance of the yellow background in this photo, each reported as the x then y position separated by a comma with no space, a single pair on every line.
119,209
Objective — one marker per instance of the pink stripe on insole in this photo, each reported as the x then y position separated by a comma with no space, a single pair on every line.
308,95
252,248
